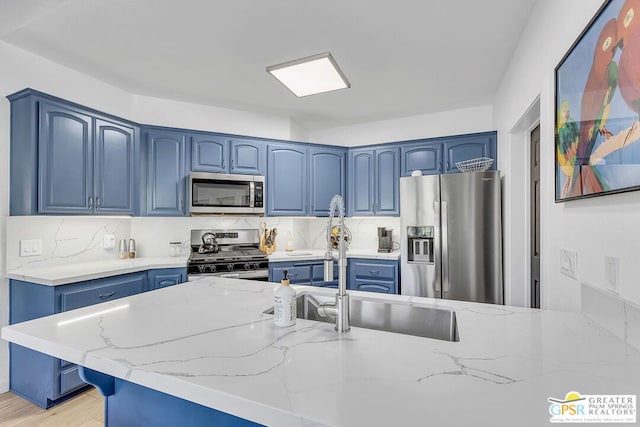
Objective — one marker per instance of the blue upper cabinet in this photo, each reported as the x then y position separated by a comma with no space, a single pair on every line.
209,153
213,153
287,175
374,181
467,147
66,160
327,177
86,164
166,174
426,157
247,156
115,165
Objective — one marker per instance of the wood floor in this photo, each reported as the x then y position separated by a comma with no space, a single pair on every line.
84,410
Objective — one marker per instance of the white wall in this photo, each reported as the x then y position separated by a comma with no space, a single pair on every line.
446,123
595,227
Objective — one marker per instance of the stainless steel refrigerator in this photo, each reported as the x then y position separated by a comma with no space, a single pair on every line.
451,238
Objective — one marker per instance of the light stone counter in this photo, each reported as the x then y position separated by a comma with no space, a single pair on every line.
78,272
317,254
209,342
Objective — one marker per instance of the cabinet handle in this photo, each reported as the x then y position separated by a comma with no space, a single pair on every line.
448,165
293,274
374,272
440,166
181,205
90,203
98,204
233,164
109,295
167,282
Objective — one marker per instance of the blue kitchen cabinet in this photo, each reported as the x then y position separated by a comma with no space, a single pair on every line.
42,379
166,173
327,177
209,153
219,154
467,147
374,181
68,159
425,157
161,278
373,275
308,272
287,180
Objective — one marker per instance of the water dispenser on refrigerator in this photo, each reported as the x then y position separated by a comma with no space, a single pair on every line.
420,244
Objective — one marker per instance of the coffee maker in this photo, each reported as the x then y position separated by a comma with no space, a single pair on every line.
385,240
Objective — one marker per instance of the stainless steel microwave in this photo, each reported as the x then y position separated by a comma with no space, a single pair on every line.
219,193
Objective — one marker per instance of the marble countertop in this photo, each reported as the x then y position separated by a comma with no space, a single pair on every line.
315,254
78,272
208,341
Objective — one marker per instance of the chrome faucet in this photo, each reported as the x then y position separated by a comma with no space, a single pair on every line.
339,307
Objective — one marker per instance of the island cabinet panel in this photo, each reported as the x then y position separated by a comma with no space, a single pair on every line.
374,275
221,154
68,159
287,180
42,379
162,278
374,186
166,173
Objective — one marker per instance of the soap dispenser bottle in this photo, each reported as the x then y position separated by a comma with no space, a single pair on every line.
284,303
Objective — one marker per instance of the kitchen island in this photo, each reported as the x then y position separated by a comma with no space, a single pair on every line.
209,342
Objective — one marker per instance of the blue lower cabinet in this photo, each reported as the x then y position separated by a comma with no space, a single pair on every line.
45,380
129,404
162,278
373,275
303,273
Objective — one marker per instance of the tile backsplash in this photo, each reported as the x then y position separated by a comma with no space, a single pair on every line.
72,239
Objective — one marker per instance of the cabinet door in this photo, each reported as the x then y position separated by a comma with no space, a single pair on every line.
373,275
361,179
209,154
114,168
247,157
102,290
327,167
287,180
65,160
296,274
161,278
467,148
387,182
166,190
425,158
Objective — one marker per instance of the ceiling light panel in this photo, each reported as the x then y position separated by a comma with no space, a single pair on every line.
309,76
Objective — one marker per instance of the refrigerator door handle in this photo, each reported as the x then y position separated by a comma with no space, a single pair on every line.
445,248
436,246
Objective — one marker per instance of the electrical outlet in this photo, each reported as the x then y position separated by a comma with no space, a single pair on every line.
611,272
568,262
31,247
109,241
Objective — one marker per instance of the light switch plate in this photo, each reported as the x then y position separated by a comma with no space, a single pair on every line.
611,273
30,247
109,241
568,262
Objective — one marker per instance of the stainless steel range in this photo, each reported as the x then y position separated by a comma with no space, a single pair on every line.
228,253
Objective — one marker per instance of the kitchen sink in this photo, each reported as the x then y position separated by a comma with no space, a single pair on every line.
397,317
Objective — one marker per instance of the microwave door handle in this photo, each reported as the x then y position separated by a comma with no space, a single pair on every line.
252,194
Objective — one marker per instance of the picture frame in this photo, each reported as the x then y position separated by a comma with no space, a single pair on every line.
597,106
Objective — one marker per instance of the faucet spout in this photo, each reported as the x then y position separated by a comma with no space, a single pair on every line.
341,304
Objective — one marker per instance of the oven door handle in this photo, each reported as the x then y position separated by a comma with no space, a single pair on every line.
230,275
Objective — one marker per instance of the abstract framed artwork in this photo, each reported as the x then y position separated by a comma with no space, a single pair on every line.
597,144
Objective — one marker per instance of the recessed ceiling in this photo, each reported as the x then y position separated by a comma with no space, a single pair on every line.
402,58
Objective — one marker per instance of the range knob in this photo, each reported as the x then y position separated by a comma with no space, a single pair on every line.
256,265
202,268
212,268
230,267
247,266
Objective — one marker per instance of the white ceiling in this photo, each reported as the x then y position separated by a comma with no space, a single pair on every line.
402,57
